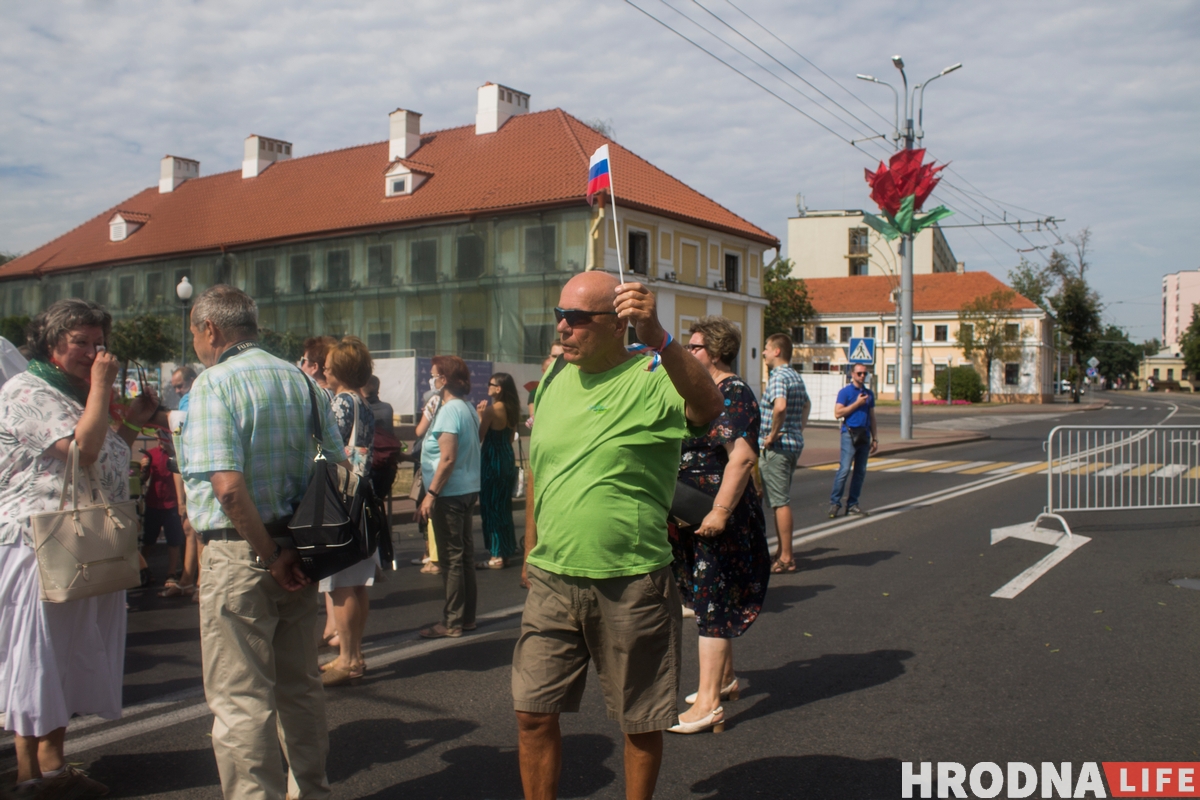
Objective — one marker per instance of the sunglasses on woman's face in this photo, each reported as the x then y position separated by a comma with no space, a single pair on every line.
694,347
577,316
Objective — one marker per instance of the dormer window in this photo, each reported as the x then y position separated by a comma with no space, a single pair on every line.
403,178
124,224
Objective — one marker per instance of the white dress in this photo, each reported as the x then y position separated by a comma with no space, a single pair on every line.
56,659
345,406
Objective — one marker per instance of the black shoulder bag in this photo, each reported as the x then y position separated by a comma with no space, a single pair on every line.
336,524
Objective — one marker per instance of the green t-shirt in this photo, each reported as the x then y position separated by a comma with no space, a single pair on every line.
605,456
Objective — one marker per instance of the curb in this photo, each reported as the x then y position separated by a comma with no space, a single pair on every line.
892,449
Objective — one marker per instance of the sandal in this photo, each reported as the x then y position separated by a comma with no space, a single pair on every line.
440,631
780,566
178,590
431,568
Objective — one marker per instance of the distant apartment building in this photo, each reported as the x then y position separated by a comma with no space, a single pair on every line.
1180,291
451,241
839,244
865,307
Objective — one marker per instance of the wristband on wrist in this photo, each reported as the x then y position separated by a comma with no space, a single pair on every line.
432,493
727,508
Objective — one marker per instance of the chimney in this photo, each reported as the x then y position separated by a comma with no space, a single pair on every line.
261,152
960,267
174,170
404,133
496,105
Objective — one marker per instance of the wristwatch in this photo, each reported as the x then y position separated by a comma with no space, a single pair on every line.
271,559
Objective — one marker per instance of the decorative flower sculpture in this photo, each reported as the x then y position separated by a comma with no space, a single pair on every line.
900,188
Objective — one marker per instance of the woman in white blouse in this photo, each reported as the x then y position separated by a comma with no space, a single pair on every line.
59,659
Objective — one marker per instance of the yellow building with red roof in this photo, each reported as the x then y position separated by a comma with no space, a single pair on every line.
450,241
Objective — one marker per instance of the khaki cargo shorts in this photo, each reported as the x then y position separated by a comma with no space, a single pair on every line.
630,627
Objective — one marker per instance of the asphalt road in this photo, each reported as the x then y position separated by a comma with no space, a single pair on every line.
886,646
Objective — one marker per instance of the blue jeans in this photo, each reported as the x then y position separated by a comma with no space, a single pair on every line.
857,456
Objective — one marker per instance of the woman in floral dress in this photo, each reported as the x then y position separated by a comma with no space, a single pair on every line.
723,565
58,660
347,367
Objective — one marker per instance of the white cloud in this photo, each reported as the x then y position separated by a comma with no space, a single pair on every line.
1081,110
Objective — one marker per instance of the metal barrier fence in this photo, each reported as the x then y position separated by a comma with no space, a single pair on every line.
1104,467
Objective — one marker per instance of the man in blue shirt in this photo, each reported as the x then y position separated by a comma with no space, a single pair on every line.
855,407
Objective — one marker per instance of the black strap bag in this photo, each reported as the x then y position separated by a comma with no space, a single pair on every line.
338,521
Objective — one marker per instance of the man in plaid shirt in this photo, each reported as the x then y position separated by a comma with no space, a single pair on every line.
247,453
784,407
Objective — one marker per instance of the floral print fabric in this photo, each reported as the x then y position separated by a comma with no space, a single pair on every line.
33,416
724,578
358,452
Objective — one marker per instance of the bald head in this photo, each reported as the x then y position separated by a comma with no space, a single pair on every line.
593,291
600,341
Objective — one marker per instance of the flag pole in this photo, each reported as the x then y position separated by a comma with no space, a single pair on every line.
612,193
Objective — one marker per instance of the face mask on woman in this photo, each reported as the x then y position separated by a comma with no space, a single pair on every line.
433,384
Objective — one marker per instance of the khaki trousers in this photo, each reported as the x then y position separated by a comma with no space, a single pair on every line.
259,647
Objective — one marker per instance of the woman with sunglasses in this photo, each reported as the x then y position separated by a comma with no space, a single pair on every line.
498,419
723,565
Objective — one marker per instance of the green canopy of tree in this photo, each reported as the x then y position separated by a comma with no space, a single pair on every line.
1031,282
1061,288
1189,343
148,340
1118,355
13,329
287,346
985,331
965,384
6,257
1151,347
788,305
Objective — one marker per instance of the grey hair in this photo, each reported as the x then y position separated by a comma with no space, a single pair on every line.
722,339
230,310
49,327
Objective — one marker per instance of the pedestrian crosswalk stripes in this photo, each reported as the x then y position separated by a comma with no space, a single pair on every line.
1097,469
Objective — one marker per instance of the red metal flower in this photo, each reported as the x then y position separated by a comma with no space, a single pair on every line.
902,176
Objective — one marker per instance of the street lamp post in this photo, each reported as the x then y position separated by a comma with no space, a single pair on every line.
184,292
915,98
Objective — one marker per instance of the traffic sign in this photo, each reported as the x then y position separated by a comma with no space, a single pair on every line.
862,351
1091,372
1093,362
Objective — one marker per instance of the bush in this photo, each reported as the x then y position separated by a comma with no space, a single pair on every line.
13,329
967,385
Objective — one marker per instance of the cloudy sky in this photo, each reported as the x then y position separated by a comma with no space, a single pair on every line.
1078,110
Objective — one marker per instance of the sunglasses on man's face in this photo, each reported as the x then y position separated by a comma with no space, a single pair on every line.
577,316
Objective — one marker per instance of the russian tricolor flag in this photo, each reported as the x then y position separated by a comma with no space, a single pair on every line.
599,176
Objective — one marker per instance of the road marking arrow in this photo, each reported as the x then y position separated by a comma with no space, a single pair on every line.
1063,544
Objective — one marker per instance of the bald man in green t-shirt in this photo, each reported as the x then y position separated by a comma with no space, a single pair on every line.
604,456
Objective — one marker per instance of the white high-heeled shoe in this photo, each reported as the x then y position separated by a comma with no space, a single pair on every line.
714,719
730,692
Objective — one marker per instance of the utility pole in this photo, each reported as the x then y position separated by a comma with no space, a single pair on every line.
914,100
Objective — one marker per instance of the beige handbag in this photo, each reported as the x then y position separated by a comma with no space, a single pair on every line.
89,548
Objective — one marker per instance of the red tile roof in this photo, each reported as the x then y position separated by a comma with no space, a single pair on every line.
871,294
536,160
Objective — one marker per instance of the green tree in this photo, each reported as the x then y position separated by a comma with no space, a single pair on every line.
1032,282
1077,310
965,385
1075,305
1150,347
147,340
13,329
788,305
6,257
1118,355
985,333
287,346
1189,344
